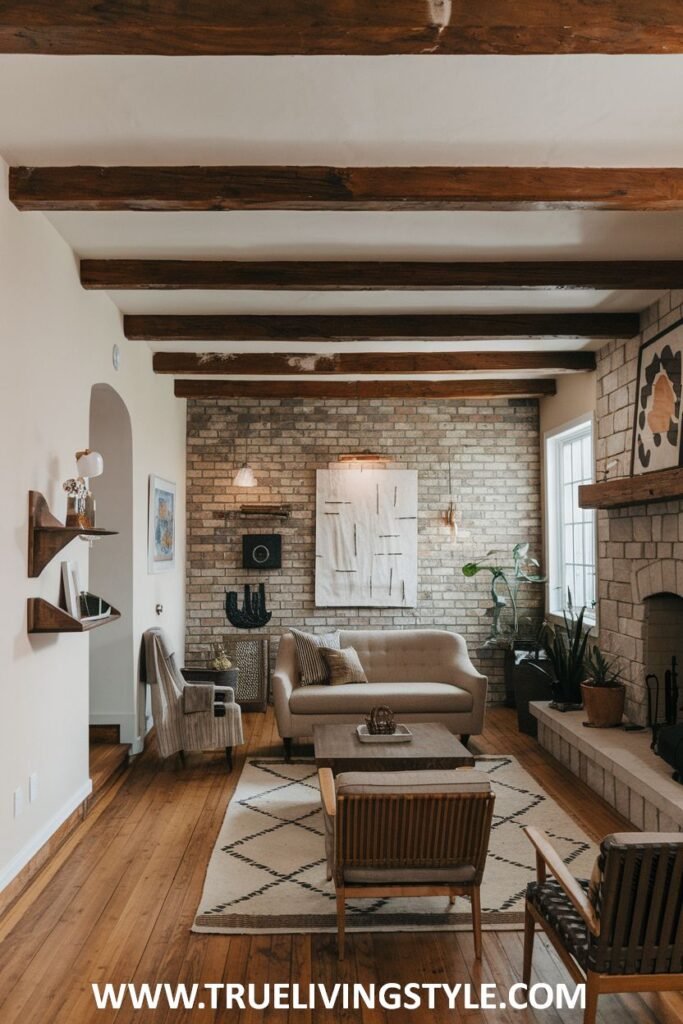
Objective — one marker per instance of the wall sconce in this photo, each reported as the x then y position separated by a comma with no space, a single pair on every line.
448,516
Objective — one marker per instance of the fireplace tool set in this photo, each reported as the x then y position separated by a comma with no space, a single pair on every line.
667,733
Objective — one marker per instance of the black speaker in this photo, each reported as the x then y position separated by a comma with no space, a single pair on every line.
262,551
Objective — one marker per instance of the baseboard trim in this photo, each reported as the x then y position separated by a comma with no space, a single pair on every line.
33,856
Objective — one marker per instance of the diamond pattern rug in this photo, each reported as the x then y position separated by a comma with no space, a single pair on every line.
267,870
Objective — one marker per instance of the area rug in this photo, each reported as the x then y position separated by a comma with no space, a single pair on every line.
267,869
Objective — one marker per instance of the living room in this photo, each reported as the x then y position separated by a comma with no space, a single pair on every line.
343,413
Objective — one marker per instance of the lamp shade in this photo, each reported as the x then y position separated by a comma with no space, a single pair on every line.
89,463
244,477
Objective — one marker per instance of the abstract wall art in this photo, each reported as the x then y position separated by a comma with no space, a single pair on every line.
366,538
658,430
161,540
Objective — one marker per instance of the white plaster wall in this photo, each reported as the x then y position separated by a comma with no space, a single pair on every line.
56,342
576,396
113,657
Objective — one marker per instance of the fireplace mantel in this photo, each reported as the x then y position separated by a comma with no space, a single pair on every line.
663,485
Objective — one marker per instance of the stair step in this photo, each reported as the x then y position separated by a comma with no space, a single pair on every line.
107,761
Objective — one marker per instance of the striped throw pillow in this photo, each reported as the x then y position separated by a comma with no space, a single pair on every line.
312,666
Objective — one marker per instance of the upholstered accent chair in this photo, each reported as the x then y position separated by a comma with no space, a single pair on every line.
422,833
623,931
207,718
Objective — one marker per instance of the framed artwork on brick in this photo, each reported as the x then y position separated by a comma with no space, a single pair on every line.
658,425
262,551
366,538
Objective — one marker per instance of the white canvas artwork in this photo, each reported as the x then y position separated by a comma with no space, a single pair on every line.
366,538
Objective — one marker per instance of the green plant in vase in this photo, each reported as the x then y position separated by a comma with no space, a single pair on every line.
603,692
505,584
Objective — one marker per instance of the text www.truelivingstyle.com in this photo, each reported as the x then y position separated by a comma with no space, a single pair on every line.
388,996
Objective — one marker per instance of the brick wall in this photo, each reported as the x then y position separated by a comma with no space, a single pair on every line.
640,548
493,448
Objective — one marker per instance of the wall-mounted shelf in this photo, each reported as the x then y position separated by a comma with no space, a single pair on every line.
257,511
47,536
663,485
44,617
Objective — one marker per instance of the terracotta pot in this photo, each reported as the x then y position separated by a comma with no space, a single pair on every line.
604,705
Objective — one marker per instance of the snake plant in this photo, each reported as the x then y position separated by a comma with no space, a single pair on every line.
565,647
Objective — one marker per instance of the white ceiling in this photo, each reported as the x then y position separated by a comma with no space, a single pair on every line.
579,110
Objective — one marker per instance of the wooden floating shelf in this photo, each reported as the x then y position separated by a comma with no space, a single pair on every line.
44,617
663,485
279,511
47,536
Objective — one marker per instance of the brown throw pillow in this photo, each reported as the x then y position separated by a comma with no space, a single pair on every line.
343,666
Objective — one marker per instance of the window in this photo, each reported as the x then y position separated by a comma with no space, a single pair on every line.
570,529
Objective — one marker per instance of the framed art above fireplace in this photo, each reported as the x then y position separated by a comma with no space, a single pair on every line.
658,426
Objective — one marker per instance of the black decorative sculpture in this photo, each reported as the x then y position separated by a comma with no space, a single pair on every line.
253,612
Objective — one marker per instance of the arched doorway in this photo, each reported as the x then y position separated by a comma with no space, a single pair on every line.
113,682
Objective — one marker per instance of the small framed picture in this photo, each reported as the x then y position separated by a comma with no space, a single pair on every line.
262,551
161,538
658,426
71,586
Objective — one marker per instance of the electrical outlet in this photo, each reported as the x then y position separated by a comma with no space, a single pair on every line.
18,801
33,787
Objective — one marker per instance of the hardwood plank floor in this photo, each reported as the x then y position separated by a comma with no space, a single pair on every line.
116,904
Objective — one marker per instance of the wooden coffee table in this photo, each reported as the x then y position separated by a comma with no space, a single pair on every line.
432,746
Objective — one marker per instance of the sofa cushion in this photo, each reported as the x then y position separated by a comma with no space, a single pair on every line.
343,666
312,666
350,698
405,655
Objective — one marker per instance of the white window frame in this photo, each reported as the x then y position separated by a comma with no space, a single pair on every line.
554,519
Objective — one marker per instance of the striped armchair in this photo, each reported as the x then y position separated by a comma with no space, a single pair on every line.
205,719
623,931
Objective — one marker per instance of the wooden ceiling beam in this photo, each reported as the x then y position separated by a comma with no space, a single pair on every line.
376,275
272,364
200,28
389,327
346,188
362,389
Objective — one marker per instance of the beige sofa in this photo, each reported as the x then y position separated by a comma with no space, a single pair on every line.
424,675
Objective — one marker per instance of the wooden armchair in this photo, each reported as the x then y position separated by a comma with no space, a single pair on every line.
422,833
623,932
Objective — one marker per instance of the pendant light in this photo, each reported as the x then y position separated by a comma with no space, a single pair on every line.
244,477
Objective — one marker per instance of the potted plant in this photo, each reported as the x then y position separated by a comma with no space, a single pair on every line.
504,611
603,691
565,647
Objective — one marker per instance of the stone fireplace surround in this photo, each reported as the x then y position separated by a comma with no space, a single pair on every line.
640,557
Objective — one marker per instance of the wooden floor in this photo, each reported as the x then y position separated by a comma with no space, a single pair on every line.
107,761
116,905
